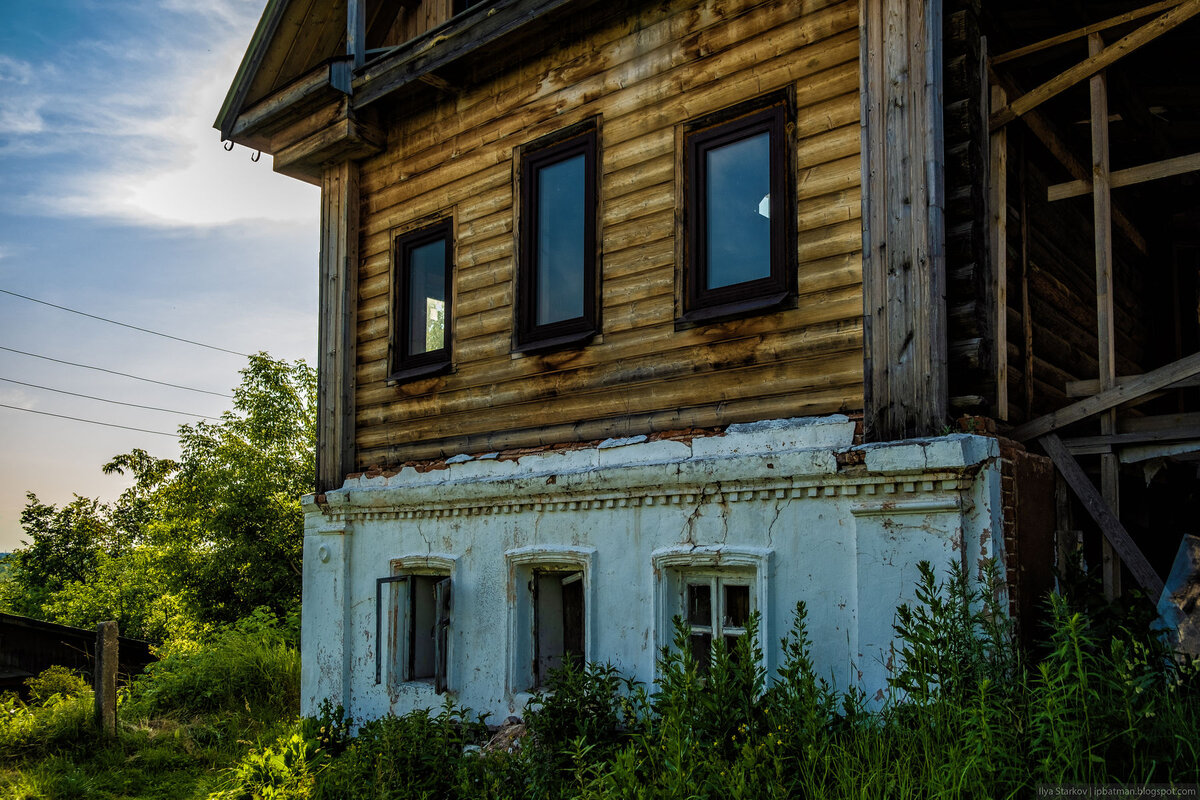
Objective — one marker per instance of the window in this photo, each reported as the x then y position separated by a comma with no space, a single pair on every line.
417,611
737,211
421,318
556,285
714,589
715,605
550,616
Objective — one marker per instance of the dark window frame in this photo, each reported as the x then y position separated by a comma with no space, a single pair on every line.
402,364
581,139
771,114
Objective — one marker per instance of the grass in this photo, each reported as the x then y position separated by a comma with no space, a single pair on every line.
969,715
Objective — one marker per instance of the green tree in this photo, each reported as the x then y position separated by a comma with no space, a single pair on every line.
207,538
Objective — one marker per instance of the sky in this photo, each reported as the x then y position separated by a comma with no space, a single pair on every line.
117,199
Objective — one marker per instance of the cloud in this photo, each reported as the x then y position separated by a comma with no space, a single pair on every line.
142,139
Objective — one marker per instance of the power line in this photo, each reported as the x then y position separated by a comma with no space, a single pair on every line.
114,372
124,324
90,421
103,400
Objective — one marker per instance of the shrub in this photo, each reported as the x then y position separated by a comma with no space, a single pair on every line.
253,665
56,680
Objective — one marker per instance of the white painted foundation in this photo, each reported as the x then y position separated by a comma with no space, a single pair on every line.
765,499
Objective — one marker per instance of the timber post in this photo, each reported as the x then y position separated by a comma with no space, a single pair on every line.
338,324
904,265
104,678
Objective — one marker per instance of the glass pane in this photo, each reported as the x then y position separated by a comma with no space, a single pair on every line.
702,650
560,231
427,298
738,188
699,604
737,606
732,648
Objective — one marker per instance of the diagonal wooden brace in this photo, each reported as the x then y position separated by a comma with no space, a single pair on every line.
1110,526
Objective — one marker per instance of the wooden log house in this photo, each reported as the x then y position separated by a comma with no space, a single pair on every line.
702,307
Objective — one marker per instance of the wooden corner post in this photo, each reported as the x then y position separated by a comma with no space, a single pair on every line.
904,266
337,331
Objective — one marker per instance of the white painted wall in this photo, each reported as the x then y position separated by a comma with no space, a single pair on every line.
769,496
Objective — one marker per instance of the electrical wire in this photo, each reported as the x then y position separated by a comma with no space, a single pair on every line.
124,324
114,372
90,421
104,400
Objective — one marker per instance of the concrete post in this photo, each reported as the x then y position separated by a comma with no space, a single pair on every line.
104,679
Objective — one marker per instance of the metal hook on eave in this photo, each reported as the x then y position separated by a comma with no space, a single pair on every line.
257,155
228,145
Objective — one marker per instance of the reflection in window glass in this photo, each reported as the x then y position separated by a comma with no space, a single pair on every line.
738,190
560,241
427,298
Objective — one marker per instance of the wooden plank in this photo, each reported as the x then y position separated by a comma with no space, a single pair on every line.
1129,177
1110,398
1089,387
1040,127
997,299
1182,432
1114,532
1106,334
1026,306
356,31
1095,63
1080,33
337,334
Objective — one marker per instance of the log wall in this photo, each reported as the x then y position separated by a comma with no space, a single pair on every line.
642,77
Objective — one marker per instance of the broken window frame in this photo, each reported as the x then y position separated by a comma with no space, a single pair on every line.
403,640
572,641
523,677
720,623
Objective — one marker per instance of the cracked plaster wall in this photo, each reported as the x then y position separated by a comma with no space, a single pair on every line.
846,540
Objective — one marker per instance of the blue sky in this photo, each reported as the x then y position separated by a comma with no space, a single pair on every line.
117,199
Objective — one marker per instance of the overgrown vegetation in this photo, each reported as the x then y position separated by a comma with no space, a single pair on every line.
967,717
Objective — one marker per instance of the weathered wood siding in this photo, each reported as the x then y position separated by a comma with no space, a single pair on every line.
642,77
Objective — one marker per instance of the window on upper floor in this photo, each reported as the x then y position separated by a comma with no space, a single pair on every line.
413,619
421,320
737,210
557,254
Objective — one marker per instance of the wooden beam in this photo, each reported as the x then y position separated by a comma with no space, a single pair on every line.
1114,532
338,330
1040,127
1106,331
1089,387
1110,398
997,301
1139,437
1094,63
1129,177
356,31
1080,33
903,161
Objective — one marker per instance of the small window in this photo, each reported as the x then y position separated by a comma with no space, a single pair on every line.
556,288
715,606
737,211
417,609
557,620
421,319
